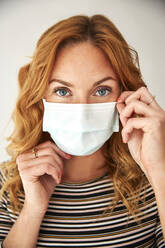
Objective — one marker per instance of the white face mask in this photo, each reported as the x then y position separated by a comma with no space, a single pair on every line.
80,129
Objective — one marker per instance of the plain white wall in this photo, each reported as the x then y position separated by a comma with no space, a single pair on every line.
22,22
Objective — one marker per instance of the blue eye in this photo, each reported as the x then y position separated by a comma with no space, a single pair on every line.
62,90
103,91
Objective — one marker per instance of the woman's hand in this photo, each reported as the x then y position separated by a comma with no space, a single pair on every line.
41,175
144,134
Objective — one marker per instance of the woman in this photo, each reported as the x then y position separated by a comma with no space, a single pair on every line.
78,177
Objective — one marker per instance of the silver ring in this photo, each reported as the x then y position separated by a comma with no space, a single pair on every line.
34,150
151,100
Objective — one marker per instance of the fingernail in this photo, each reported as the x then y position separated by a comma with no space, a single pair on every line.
118,99
68,156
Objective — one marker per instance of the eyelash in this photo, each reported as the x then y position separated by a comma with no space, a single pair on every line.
100,88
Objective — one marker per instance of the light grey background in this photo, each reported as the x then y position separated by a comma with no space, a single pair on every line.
142,23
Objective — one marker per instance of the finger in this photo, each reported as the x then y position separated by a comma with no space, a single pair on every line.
55,147
137,123
32,173
137,107
30,155
120,107
124,96
142,94
41,160
46,151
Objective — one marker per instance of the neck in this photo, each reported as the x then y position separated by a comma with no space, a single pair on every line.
84,168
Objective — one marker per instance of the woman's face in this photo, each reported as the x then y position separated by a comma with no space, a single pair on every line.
82,74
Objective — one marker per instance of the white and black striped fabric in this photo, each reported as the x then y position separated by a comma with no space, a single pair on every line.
73,218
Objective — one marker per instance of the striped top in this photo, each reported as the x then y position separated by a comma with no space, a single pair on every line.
72,218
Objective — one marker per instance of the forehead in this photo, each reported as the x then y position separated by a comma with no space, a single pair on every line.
81,57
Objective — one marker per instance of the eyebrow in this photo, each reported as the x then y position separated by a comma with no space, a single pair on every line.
71,85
